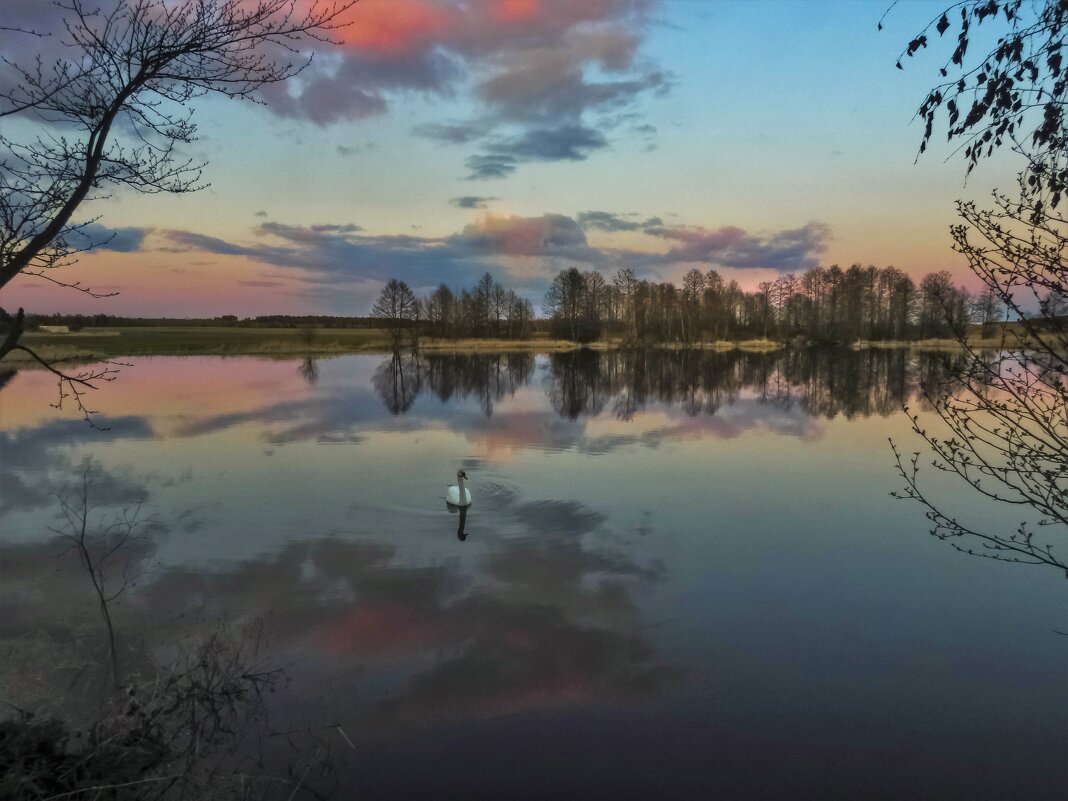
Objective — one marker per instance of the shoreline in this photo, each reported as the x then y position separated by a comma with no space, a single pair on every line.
94,344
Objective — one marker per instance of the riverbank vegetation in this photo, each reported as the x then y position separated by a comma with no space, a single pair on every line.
824,305
92,343
861,307
1003,427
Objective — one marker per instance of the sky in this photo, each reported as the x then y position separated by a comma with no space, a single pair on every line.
441,140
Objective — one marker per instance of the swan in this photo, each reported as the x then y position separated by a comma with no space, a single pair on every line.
457,495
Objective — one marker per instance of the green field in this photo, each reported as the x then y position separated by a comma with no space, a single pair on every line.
108,343
90,343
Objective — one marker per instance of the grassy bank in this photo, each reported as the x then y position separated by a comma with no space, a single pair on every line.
979,343
111,343
542,345
100,343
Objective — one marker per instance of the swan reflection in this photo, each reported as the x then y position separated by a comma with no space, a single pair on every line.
461,534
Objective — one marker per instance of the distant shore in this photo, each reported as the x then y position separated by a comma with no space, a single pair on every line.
90,344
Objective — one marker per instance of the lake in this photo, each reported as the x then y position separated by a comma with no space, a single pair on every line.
682,574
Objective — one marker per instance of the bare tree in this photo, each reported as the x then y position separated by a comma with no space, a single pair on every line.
115,109
190,725
563,302
398,308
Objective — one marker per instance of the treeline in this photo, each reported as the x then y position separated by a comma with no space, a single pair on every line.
79,321
826,304
486,310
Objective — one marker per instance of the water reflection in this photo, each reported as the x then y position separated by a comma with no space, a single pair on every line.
309,370
488,377
398,381
821,382
594,401
680,589
461,530
546,615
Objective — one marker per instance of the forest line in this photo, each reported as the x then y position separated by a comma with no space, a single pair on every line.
824,304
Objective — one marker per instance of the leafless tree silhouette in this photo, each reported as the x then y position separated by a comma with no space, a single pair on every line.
398,308
114,110
100,547
191,725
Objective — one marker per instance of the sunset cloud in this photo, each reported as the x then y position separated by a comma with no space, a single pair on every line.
566,143
471,202
523,251
539,76
527,65
100,237
496,166
548,235
795,249
611,223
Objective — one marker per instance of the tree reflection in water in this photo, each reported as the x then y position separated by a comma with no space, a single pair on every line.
308,369
489,377
823,382
398,381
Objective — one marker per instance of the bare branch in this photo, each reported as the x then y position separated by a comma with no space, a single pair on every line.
118,110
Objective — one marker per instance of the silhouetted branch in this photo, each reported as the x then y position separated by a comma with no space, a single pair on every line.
138,67
96,547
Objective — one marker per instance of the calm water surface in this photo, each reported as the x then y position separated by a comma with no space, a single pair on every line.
682,575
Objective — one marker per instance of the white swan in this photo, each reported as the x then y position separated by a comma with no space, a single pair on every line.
457,495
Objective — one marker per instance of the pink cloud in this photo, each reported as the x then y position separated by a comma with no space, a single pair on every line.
527,61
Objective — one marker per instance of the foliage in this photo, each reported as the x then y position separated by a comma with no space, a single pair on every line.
180,727
1004,429
1013,95
1007,418
826,304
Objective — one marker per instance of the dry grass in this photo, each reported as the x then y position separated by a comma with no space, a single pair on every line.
479,345
750,345
52,353
980,343
92,344
107,343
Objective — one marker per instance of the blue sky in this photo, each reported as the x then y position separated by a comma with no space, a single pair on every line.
748,137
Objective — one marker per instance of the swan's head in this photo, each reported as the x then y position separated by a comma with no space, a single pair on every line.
461,474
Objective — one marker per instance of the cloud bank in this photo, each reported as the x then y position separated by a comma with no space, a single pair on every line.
547,78
525,252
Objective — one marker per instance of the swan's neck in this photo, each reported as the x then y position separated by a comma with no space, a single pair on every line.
460,481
